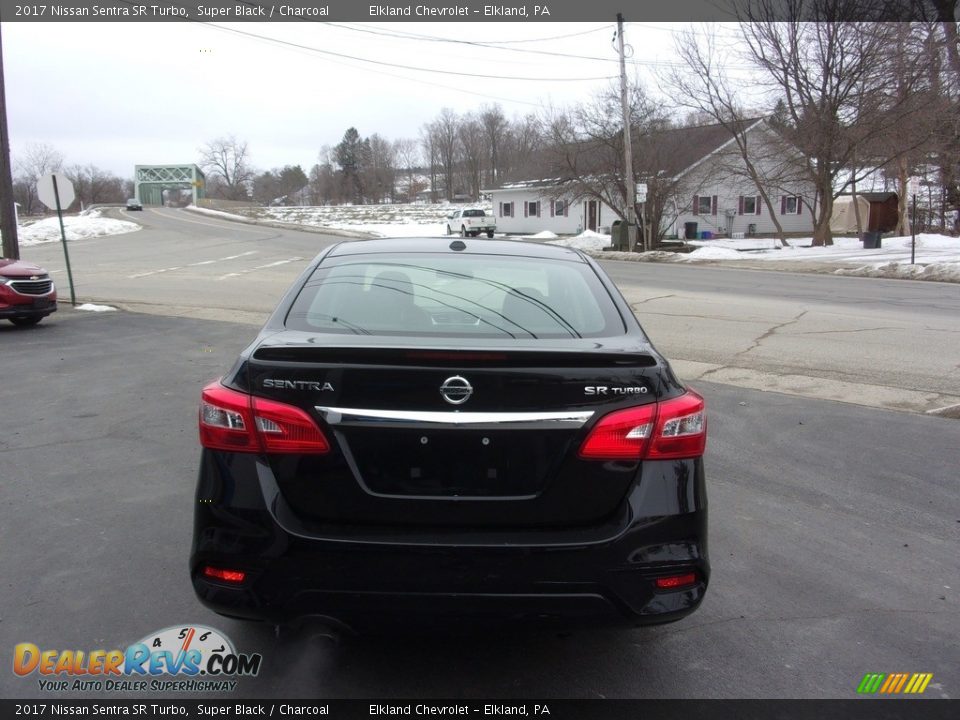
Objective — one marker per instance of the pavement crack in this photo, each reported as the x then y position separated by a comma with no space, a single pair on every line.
858,330
770,332
658,297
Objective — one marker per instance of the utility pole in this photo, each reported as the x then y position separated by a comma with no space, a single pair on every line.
8,212
628,184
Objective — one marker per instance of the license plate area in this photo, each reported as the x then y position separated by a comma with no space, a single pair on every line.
456,462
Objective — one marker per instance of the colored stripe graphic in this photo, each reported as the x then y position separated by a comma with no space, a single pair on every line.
870,683
894,683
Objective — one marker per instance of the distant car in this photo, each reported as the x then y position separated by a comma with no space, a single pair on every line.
471,222
134,204
27,293
429,430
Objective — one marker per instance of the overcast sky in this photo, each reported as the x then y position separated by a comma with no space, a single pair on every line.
121,94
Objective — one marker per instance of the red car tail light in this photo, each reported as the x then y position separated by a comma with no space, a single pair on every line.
230,576
235,421
287,429
675,582
672,429
681,428
621,435
226,422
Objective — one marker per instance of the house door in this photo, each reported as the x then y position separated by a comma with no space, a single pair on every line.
591,213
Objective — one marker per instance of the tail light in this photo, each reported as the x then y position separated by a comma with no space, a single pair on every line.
672,429
231,420
230,576
675,582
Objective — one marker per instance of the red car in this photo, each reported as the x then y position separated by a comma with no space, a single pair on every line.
27,292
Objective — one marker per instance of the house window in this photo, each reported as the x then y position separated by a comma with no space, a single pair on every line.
558,207
506,209
531,208
750,205
790,205
705,205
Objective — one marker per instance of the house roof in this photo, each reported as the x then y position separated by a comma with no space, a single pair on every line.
674,151
682,148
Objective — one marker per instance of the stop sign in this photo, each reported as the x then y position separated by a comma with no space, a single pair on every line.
64,188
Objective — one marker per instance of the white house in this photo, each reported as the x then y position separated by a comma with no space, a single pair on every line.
712,193
530,207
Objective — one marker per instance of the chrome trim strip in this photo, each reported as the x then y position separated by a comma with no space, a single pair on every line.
360,417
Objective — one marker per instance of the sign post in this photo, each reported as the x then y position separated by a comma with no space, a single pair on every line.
913,232
641,199
56,192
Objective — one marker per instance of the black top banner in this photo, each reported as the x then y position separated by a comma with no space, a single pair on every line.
474,11
459,708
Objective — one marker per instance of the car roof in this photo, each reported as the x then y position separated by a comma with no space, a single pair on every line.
518,248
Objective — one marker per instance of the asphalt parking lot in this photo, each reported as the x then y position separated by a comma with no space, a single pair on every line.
834,540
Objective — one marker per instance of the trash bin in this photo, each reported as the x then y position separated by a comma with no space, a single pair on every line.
618,235
870,240
690,231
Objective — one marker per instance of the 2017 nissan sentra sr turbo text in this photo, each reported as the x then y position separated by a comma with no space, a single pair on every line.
426,429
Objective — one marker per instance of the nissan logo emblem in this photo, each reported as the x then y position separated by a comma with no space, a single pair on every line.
456,390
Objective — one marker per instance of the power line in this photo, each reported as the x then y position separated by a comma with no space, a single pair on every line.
555,37
496,46
421,81
474,43
407,67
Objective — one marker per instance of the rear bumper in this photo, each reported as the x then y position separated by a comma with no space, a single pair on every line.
368,577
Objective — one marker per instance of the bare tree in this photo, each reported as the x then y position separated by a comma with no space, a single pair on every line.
445,131
523,141
585,153
834,81
702,86
38,160
428,140
473,151
94,185
380,169
495,129
226,162
407,153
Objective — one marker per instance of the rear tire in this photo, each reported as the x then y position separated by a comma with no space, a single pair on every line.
449,231
463,231
489,233
25,321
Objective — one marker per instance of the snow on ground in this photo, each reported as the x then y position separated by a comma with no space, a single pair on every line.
937,256
383,220
76,227
92,307
712,253
588,241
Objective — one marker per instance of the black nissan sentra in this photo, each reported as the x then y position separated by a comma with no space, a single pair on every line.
434,429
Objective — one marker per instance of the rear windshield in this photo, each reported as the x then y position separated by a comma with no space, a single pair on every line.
465,296
473,213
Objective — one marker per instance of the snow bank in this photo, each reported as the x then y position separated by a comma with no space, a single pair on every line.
713,253
75,227
544,235
942,272
91,307
588,240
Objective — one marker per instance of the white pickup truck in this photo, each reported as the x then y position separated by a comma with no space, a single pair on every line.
472,222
